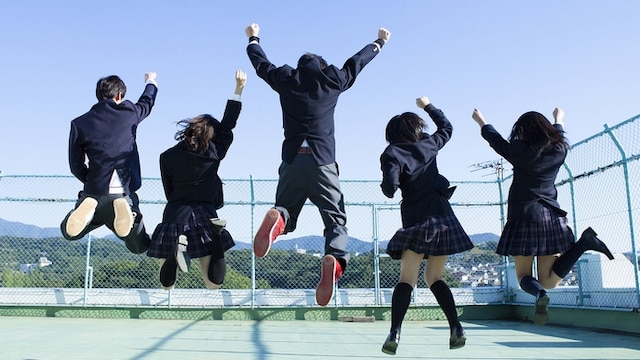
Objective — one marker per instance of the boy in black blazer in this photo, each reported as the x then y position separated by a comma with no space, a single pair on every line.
308,96
106,137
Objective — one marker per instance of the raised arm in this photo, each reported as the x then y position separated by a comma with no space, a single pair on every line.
558,116
264,68
147,99
355,64
444,128
252,31
495,140
241,80
478,118
224,135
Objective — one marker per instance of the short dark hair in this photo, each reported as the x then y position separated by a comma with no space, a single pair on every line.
309,56
109,87
406,127
197,132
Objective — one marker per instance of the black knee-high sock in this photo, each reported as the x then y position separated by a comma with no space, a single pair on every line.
217,270
399,304
532,286
217,266
445,299
565,262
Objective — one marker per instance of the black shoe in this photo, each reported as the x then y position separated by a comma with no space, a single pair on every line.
458,338
168,273
589,236
391,344
541,315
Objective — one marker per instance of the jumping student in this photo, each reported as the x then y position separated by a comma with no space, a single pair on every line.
430,229
536,228
308,97
189,172
106,136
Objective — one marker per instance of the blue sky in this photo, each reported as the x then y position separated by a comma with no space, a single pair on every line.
503,57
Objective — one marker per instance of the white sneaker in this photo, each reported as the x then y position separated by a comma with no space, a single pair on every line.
182,257
123,219
81,216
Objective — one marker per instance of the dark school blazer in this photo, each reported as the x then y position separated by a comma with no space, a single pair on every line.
412,168
106,134
308,97
534,175
190,179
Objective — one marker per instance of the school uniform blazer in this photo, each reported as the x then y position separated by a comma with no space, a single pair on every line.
534,175
412,168
191,179
106,134
308,97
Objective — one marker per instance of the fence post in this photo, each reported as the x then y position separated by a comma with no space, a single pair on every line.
573,196
376,255
572,193
88,272
253,255
627,187
502,202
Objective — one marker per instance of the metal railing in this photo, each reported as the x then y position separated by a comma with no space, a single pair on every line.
598,186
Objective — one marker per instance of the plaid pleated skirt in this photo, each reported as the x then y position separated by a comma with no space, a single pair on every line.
202,236
442,235
550,236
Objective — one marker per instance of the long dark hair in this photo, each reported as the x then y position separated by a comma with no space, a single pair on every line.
197,132
406,127
535,129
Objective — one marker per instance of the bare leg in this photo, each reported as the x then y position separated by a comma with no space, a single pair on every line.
434,269
547,278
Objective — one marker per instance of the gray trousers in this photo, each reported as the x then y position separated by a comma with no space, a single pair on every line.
137,241
303,179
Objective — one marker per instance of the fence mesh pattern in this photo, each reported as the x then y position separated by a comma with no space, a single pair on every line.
598,186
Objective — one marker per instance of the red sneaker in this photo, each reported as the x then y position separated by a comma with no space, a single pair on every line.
272,226
331,270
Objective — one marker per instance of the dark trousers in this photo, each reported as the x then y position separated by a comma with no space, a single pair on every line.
303,179
137,241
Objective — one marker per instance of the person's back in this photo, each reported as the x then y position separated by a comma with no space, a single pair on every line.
537,229
190,226
308,96
430,230
106,136
309,92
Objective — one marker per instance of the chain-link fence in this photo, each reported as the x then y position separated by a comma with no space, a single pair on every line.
598,187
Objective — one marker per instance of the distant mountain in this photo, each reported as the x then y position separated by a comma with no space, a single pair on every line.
484,237
315,243
19,229
312,243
